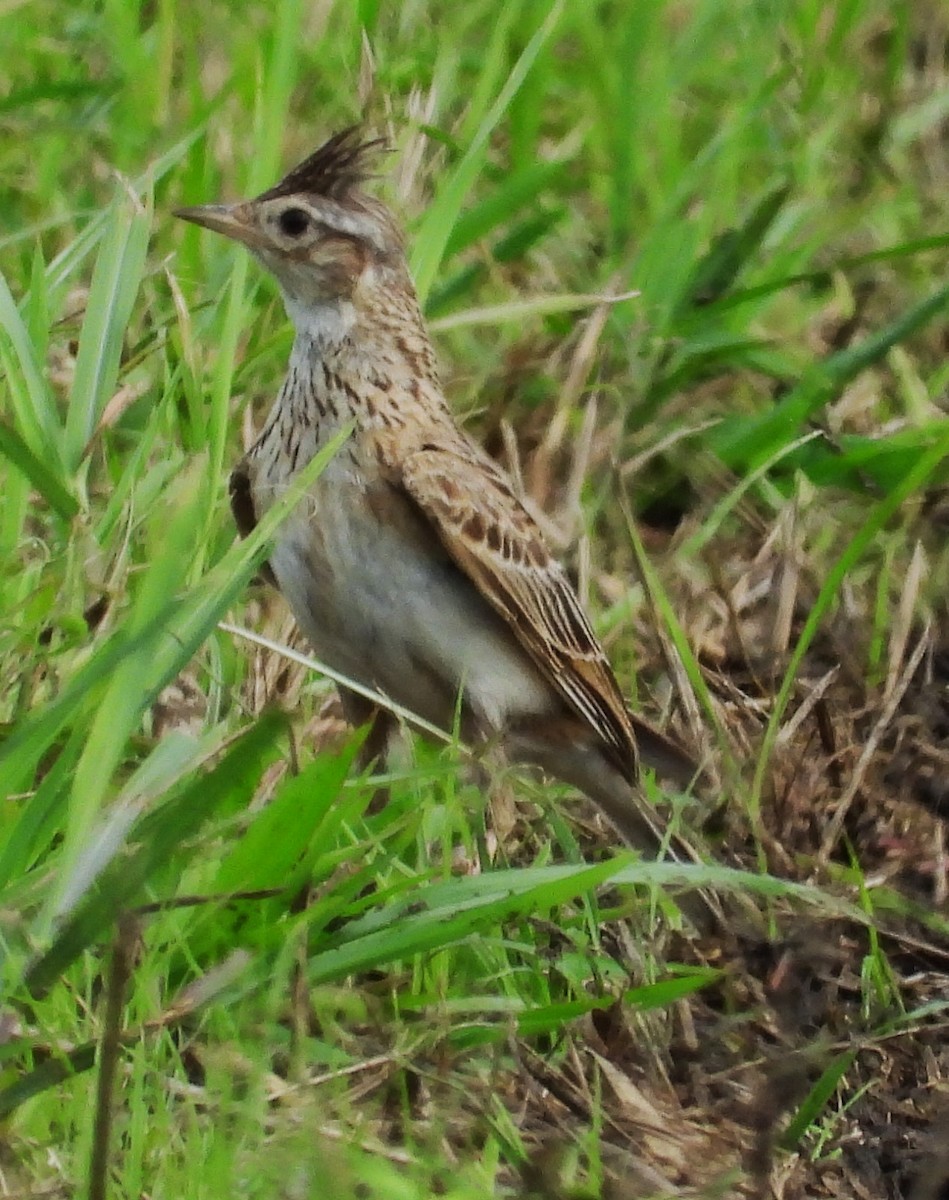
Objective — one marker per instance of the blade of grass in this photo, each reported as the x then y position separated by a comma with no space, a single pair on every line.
275,847
178,629
503,204
732,250
815,1100
174,758
38,422
115,283
66,263
667,620
45,481
440,220
162,647
518,310
875,522
823,276
180,817
449,913
866,463
744,442
37,824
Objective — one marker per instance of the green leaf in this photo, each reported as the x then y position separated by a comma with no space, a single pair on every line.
859,462
38,423
505,202
445,913
280,840
163,839
38,815
816,1099
436,229
115,284
40,476
38,730
46,1076
877,518
73,254
511,248
743,441
732,250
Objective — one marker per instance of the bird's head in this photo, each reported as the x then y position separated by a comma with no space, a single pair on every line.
326,242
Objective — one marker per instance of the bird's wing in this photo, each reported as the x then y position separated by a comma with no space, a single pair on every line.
492,538
241,492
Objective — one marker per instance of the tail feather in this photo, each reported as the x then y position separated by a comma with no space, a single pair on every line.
666,757
584,765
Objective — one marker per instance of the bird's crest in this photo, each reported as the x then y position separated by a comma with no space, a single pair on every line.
335,170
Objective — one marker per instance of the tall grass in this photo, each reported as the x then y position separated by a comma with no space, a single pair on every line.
756,173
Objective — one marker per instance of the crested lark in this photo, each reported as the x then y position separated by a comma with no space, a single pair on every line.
413,567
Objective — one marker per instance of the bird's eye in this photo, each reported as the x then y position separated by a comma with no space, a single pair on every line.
293,221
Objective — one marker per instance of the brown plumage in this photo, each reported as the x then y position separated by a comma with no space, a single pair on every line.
412,566
334,171
493,539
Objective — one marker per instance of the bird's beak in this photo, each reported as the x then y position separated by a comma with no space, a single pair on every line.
232,220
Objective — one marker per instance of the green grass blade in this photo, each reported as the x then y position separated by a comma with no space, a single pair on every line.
271,852
37,732
445,913
815,1101
236,775
504,203
179,628
159,648
823,277
47,1075
673,627
858,462
876,520
67,262
115,284
60,500
733,250
39,425
744,441
39,822
441,218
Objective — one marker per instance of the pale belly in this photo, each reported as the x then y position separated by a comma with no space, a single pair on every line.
380,610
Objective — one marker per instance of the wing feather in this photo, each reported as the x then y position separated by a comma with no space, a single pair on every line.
491,536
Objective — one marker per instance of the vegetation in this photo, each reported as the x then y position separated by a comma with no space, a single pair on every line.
210,934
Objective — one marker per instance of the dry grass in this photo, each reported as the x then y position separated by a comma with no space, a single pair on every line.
741,469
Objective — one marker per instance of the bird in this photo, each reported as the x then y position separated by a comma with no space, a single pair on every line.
411,565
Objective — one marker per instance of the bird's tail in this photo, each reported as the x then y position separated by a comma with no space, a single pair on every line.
584,765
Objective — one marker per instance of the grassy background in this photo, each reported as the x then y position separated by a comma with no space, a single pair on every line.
307,999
